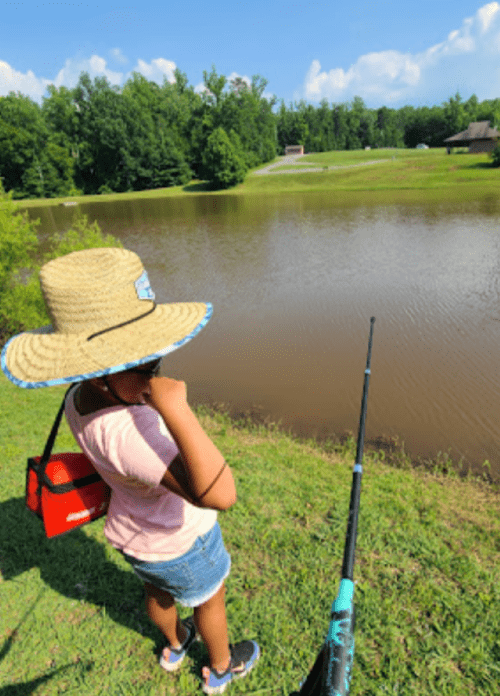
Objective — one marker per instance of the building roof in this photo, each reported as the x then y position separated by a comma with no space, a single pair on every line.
478,130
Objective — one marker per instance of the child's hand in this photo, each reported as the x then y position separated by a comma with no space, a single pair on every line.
166,395
209,481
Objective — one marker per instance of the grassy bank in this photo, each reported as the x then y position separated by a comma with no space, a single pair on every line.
428,601
454,176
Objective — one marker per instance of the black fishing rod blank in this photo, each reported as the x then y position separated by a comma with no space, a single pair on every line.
331,672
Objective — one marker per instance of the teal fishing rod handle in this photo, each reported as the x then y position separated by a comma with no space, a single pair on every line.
339,644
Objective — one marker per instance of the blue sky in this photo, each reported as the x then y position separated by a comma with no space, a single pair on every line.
417,52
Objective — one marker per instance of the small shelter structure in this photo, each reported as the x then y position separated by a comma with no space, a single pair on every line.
294,149
479,137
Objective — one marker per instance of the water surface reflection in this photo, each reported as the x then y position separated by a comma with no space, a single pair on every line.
294,280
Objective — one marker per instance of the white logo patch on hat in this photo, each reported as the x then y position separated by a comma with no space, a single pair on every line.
143,288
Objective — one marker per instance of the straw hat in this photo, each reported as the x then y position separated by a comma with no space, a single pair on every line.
104,320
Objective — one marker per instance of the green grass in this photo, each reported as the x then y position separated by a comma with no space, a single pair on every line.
405,171
343,158
427,592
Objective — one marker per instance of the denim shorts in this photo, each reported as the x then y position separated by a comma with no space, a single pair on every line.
193,578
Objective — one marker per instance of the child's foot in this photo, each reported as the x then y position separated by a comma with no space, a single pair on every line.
243,657
171,658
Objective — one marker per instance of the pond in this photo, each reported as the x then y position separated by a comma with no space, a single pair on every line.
294,280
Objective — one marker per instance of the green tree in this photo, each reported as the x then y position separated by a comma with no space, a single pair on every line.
324,129
389,129
247,113
471,109
361,125
455,115
426,125
293,128
154,153
52,173
495,156
21,302
33,161
207,117
130,144
223,164
214,87
60,114
167,112
354,115
18,243
340,126
489,110
239,107
102,127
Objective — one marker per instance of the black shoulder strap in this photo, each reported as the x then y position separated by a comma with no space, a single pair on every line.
53,433
44,459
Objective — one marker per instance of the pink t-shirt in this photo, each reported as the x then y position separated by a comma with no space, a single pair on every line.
131,449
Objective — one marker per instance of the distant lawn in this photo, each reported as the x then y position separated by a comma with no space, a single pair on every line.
346,157
323,165
404,170
427,589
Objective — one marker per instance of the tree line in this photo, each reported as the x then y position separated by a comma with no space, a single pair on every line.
99,138
353,126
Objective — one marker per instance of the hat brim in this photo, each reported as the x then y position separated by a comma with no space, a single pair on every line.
44,358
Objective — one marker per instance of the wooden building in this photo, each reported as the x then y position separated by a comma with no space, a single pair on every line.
479,137
294,149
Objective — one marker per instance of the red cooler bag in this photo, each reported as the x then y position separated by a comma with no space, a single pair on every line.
64,490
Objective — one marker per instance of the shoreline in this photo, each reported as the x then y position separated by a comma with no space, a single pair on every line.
346,173
388,451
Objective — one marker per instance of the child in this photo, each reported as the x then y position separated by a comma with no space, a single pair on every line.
167,477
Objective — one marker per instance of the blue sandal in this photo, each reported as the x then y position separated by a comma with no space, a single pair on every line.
244,655
176,657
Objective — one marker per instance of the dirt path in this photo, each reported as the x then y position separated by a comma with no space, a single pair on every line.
307,166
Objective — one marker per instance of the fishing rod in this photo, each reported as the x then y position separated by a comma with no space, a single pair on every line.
331,672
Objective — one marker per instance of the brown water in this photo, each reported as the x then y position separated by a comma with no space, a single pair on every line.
294,281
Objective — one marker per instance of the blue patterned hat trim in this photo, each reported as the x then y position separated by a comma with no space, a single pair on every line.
108,370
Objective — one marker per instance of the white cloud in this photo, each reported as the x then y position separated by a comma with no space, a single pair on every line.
486,15
468,60
35,87
157,70
118,56
27,83
201,89
95,66
386,74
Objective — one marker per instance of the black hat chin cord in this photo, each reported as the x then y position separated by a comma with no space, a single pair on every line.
124,323
113,393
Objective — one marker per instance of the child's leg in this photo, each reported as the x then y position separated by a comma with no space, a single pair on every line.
210,620
161,609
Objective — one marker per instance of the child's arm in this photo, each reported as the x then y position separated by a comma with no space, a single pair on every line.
209,482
